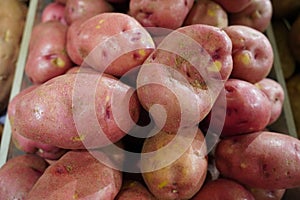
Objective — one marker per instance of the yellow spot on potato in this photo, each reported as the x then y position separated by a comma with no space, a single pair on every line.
7,36
132,184
101,21
107,98
215,67
258,86
69,168
256,15
244,58
75,196
58,62
211,12
243,165
142,52
78,138
174,191
163,184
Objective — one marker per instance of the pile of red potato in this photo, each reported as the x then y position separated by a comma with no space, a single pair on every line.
150,99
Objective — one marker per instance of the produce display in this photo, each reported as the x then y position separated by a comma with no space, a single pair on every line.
12,21
143,99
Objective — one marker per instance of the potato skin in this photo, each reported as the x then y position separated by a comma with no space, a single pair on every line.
234,6
47,56
77,175
223,189
134,190
248,109
24,144
77,9
94,38
207,12
261,194
265,160
19,174
257,15
275,94
54,11
166,14
188,88
53,111
252,53
182,178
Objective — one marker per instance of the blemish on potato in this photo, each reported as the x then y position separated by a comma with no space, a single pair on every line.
215,67
7,36
211,12
75,196
78,138
58,62
162,184
244,58
243,165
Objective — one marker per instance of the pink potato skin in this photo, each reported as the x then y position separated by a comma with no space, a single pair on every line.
77,9
24,144
261,194
47,55
19,174
247,108
187,95
134,190
54,11
77,175
233,6
54,111
207,12
223,189
257,15
252,53
266,160
275,94
96,36
182,178
162,13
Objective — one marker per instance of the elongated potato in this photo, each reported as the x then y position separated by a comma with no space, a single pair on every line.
19,174
265,160
182,177
53,113
27,145
77,175
223,189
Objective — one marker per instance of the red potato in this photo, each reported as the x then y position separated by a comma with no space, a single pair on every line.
248,109
233,6
188,70
134,190
257,15
76,9
27,145
61,1
166,14
252,53
47,56
94,39
77,175
19,174
223,189
261,194
184,176
54,11
207,12
275,94
55,110
265,160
